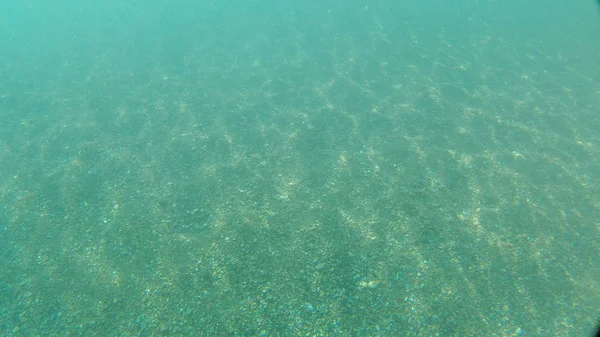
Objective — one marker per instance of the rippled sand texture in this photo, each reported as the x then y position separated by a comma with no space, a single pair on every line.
353,172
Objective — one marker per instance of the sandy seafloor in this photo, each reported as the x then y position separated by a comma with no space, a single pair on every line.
344,170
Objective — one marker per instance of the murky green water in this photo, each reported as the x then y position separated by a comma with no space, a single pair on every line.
284,169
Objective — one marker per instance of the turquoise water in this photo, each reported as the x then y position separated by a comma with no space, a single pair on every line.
275,168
